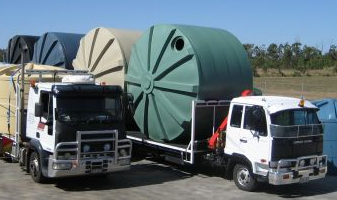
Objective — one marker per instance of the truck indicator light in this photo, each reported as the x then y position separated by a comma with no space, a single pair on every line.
32,83
286,176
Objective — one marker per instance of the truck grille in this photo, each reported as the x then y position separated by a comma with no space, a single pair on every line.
97,145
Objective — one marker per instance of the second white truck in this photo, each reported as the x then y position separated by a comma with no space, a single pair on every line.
278,140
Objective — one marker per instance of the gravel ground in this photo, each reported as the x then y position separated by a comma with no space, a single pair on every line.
151,180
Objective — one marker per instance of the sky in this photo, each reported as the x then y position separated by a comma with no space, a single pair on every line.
311,22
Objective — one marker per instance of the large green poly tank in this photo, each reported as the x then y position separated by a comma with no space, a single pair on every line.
171,65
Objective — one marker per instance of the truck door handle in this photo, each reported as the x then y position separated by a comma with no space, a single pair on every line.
37,134
243,141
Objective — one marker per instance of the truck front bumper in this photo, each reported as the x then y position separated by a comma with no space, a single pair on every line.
64,168
283,178
300,172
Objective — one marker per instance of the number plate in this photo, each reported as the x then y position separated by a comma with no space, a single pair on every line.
304,179
96,170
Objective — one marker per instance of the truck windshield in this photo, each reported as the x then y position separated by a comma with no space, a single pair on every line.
88,110
295,123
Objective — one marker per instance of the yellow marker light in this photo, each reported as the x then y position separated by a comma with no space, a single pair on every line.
301,104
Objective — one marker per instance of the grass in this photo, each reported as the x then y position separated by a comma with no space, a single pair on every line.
311,87
331,71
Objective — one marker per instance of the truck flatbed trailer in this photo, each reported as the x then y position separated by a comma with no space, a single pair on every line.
186,153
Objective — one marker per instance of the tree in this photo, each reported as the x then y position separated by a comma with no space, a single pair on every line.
333,52
290,56
2,53
272,52
259,57
249,49
287,56
273,56
296,55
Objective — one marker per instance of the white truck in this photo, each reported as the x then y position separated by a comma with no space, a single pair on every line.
70,128
278,140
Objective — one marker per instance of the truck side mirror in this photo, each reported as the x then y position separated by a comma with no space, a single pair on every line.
38,109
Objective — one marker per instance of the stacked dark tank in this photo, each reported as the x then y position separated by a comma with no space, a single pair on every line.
57,49
20,44
52,48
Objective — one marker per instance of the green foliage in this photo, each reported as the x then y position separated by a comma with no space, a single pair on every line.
290,56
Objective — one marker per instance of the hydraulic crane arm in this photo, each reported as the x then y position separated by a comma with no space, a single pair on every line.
212,142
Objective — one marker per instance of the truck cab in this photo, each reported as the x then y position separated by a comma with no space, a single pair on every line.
74,128
274,139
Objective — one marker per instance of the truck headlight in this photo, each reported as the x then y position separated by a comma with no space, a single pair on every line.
86,148
62,166
312,161
107,147
122,152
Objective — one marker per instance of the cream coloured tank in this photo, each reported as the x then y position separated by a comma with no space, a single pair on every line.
105,52
9,75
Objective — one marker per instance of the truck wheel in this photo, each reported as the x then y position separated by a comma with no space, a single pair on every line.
35,168
243,178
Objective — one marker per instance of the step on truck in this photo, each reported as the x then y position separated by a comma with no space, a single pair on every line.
278,140
69,128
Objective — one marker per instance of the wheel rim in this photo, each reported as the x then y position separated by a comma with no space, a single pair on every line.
243,176
34,167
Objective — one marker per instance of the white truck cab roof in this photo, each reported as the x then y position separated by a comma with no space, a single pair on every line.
48,86
274,104
68,80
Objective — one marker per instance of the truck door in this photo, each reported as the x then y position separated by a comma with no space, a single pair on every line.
233,134
254,141
44,131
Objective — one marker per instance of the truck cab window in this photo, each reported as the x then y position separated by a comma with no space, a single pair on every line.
47,101
236,116
259,123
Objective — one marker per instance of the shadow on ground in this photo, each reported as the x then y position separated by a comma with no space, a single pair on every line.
139,175
313,188
156,171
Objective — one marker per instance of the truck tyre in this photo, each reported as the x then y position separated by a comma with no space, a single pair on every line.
243,178
35,168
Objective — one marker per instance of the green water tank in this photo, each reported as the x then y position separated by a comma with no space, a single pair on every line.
171,65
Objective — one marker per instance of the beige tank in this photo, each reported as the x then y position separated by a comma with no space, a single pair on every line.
8,80
105,52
